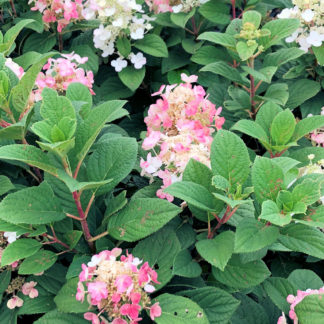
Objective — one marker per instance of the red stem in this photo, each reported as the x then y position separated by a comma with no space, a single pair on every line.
233,9
252,94
4,124
83,221
195,30
13,8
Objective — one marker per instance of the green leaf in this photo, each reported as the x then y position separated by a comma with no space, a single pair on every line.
314,217
184,266
123,46
220,182
41,304
28,154
277,93
56,317
304,239
193,193
224,70
278,289
159,250
180,19
40,261
300,91
179,310
244,50
131,77
230,158
140,218
307,192
307,125
215,12
34,205
41,43
271,213
282,56
208,54
252,129
19,95
265,74
89,129
217,251
252,17
11,35
19,249
199,173
231,202
114,160
218,304
267,179
65,299
153,45
242,275
5,185
282,127
311,309
223,39
279,29
319,54
252,235
304,279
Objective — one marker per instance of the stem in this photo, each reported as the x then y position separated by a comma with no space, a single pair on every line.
195,30
74,217
277,154
56,240
252,89
89,205
98,236
233,9
226,217
77,170
258,85
13,8
60,39
84,224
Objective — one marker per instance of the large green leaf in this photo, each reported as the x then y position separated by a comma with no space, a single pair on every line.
278,289
304,239
5,185
304,279
242,275
307,125
88,130
65,299
153,45
282,56
230,158
113,159
40,261
193,193
34,205
282,127
271,213
219,38
140,218
19,249
311,309
180,310
267,179
215,11
184,266
28,154
56,317
217,251
252,235
159,250
252,129
131,77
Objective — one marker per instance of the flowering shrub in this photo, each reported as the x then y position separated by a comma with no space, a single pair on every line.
119,19
61,12
181,124
311,31
173,6
125,197
118,288
60,73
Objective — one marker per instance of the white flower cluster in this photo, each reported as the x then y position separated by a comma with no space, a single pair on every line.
174,6
311,16
119,18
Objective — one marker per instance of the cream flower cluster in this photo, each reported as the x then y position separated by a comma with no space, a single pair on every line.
175,6
180,126
311,16
117,288
119,18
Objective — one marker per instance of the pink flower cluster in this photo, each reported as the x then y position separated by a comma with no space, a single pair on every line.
60,73
118,288
15,68
294,300
318,136
180,125
28,290
61,11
